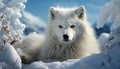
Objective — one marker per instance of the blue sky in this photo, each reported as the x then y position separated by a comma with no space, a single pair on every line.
40,8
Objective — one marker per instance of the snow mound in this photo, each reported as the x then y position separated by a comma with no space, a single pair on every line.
9,55
102,40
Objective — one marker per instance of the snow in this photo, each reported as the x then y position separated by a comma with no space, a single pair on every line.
106,60
52,65
11,30
102,40
9,55
9,58
114,38
109,12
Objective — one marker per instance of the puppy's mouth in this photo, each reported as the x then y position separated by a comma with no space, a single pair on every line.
66,40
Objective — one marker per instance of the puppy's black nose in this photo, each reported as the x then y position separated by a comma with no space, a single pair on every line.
66,37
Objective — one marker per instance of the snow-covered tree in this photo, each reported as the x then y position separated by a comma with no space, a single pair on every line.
10,31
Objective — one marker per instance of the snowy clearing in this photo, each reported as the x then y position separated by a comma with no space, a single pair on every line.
9,59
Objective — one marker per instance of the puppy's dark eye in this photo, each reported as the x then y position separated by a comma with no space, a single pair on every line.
72,26
60,26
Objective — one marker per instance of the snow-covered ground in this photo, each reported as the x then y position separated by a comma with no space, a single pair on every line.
108,59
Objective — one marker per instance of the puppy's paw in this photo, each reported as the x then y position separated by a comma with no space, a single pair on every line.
26,59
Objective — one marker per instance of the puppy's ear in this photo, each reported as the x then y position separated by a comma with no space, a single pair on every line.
81,12
53,12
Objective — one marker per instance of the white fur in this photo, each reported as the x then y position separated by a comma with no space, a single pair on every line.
81,40
30,46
